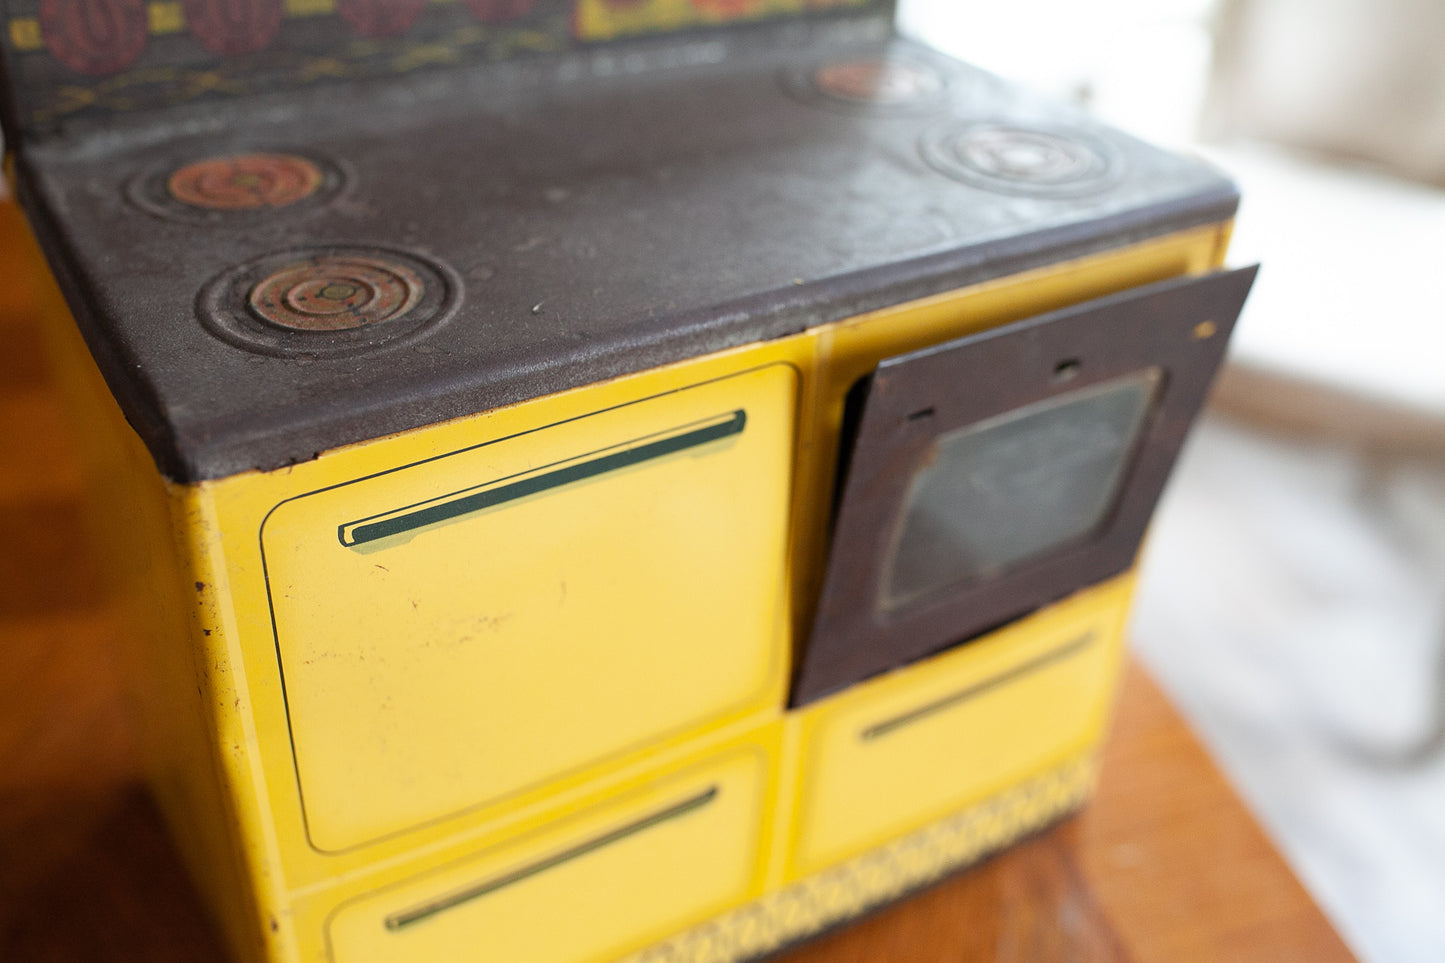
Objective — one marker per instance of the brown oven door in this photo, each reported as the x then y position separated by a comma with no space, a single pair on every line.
1005,470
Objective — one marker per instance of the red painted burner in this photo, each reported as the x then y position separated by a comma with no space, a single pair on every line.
245,182
95,37
878,82
380,18
336,293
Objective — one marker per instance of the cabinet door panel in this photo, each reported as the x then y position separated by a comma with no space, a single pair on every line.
898,753
458,631
601,885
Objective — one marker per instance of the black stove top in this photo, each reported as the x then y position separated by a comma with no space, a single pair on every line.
266,280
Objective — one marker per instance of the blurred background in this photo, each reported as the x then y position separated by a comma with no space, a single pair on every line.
1293,600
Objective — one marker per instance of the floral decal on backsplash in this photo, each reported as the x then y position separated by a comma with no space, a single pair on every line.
115,55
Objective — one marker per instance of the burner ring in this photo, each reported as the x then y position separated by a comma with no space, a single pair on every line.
236,187
1014,159
337,293
245,181
329,302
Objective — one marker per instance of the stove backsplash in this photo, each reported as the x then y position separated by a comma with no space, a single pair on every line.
88,58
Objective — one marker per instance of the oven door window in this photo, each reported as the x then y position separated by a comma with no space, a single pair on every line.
996,494
1003,471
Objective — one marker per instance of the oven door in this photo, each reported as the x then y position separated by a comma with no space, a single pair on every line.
994,474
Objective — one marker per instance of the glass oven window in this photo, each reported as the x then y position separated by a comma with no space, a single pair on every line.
995,494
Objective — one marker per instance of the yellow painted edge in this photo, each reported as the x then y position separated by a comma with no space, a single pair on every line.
165,16
226,699
25,34
309,8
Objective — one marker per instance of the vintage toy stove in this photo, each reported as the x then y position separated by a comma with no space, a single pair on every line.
603,479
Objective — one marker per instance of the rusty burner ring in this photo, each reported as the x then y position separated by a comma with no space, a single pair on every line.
237,188
336,293
330,302
245,182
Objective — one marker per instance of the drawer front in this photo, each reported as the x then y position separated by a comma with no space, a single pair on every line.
603,885
912,747
462,630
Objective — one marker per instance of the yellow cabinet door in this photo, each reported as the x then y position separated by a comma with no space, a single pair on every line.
893,755
456,632
601,885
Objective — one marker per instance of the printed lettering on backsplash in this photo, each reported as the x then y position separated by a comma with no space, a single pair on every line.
69,57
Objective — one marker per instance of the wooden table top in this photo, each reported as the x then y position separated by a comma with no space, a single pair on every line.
1164,865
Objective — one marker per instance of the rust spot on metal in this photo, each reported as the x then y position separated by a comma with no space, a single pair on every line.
245,182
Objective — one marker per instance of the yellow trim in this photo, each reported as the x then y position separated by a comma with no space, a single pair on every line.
165,16
309,8
25,34
607,20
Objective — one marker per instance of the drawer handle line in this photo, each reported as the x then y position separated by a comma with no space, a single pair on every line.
459,503
442,903
949,701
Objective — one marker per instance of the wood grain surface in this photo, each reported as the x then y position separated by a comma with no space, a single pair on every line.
1165,864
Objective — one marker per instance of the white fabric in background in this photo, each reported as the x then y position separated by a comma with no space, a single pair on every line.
1293,604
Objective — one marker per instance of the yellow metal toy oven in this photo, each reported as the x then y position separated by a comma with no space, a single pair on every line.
702,634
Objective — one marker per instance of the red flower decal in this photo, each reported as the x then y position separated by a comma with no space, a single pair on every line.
230,27
380,18
94,37
499,11
727,8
